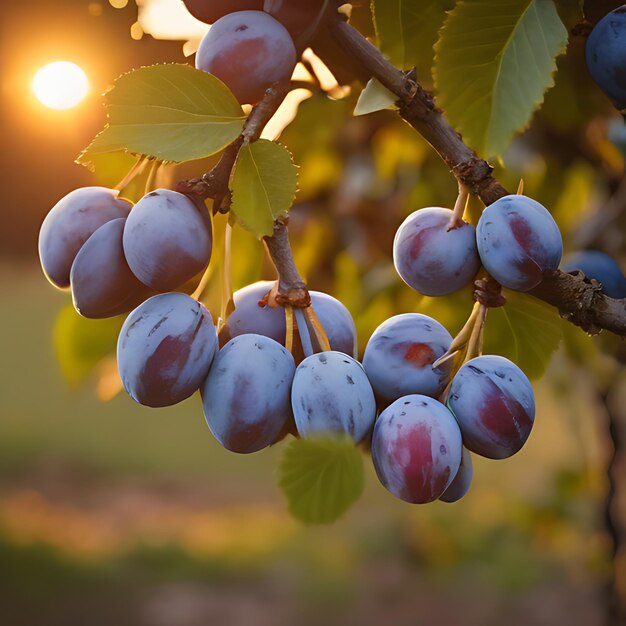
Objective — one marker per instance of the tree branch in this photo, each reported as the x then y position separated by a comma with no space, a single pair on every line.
579,301
292,289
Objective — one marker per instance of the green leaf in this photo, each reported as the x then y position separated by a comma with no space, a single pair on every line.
321,478
526,330
495,60
407,32
80,344
263,185
375,97
168,112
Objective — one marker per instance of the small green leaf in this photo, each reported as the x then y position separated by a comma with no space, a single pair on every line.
375,97
264,185
407,31
526,330
321,478
167,112
495,60
80,344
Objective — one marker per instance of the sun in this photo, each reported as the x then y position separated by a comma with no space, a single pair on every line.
60,85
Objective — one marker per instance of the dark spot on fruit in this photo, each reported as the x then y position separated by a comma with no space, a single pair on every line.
349,379
322,358
443,449
241,29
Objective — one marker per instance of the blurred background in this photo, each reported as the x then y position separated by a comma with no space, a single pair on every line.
114,513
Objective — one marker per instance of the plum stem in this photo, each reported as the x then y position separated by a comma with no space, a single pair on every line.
135,170
318,329
460,205
227,277
289,328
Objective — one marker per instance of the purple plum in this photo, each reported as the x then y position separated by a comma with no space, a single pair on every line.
462,481
517,241
247,394
432,257
72,220
102,283
167,240
416,448
331,394
165,349
399,356
494,404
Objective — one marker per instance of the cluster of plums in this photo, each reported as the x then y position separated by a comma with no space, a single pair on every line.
254,391
253,44
114,255
516,241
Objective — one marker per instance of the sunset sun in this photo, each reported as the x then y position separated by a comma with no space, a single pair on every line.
60,85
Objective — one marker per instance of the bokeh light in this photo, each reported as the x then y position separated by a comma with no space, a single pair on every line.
60,85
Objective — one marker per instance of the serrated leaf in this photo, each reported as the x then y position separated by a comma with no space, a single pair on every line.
80,344
375,97
263,186
407,31
526,330
321,478
495,60
168,112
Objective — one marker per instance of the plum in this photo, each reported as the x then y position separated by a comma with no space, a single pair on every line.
247,394
209,11
517,241
416,448
399,356
432,257
72,220
165,349
248,51
102,283
167,240
599,265
251,316
605,53
299,17
494,404
462,481
331,394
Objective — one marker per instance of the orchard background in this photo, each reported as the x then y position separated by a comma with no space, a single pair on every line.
111,513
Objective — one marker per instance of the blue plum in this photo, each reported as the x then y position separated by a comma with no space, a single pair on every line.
599,265
165,349
248,51
399,356
251,317
71,221
331,394
517,241
494,404
432,258
605,53
167,240
247,394
462,481
416,448
102,283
